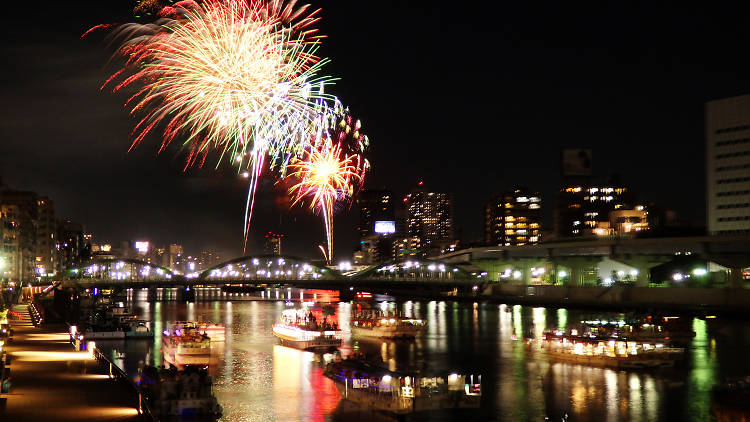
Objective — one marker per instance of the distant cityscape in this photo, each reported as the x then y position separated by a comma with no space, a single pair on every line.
37,244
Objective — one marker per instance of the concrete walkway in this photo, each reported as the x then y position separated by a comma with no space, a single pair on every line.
52,382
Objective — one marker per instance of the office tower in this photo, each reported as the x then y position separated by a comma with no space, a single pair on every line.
273,243
374,206
429,217
514,218
582,208
728,165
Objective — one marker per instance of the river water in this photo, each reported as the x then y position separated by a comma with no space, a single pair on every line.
257,380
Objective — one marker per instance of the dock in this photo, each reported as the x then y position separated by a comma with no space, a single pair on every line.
51,381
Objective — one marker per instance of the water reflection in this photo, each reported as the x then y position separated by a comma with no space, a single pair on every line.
257,380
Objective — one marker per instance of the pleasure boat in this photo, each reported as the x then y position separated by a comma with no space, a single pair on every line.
400,393
388,325
183,345
307,330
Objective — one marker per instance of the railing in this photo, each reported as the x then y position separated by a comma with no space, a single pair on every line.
118,374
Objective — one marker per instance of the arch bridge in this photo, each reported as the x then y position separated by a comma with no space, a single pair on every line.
269,269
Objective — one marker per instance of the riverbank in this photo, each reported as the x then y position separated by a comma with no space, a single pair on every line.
51,381
705,301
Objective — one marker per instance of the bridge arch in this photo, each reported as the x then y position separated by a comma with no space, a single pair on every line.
268,267
417,269
117,269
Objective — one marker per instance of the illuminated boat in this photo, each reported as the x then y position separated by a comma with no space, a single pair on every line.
304,330
183,345
612,353
378,389
179,395
217,332
379,324
670,329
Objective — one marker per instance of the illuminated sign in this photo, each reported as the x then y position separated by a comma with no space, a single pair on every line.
385,227
142,247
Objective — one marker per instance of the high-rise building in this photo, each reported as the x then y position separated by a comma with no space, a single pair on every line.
430,219
175,256
9,268
728,165
407,247
22,209
514,218
273,243
46,242
70,243
374,205
581,209
208,259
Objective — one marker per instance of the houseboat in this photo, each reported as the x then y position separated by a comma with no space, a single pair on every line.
388,325
375,388
183,346
307,330
179,395
612,353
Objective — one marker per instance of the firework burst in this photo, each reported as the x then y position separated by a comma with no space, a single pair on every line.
238,77
325,175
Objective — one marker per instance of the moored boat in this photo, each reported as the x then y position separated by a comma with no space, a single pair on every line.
217,332
302,329
174,395
400,393
184,346
611,353
379,324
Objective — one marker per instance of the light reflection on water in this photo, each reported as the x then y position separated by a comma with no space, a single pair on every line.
256,380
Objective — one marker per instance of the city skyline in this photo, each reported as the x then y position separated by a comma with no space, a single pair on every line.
545,96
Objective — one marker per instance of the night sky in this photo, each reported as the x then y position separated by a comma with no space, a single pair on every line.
473,99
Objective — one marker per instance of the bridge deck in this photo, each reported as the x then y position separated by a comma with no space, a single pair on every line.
52,383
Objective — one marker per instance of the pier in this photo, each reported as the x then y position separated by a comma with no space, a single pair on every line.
51,381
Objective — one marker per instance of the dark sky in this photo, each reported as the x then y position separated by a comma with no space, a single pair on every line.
474,99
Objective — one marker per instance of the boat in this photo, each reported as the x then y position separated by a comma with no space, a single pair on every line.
378,389
611,353
670,329
307,330
387,325
217,332
138,329
183,346
174,395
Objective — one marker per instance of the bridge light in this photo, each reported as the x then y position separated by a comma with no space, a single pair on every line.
700,272
562,274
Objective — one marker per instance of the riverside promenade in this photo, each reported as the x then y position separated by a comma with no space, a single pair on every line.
53,382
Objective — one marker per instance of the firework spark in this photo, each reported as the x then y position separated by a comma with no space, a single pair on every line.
325,177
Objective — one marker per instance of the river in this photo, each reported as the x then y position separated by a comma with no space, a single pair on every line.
257,380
